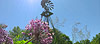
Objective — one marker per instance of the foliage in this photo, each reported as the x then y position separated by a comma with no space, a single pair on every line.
85,41
77,42
16,34
63,39
96,40
22,42
60,38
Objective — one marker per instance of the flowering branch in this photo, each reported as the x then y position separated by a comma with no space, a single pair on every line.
39,31
30,39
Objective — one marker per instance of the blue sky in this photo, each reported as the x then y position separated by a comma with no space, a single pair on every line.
20,12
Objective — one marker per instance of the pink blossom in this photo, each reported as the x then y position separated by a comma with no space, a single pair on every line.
39,27
49,33
30,34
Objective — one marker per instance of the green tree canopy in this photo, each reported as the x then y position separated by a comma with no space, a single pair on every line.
60,38
96,40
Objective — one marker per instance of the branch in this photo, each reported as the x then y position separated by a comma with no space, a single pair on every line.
30,39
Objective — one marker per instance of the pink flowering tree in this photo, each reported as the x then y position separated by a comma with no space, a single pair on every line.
39,32
4,39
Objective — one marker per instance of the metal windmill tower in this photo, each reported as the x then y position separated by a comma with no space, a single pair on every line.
48,6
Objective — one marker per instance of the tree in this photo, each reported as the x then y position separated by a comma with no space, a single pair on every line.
83,42
77,42
60,38
16,34
96,40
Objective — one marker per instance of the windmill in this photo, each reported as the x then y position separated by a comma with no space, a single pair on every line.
48,6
